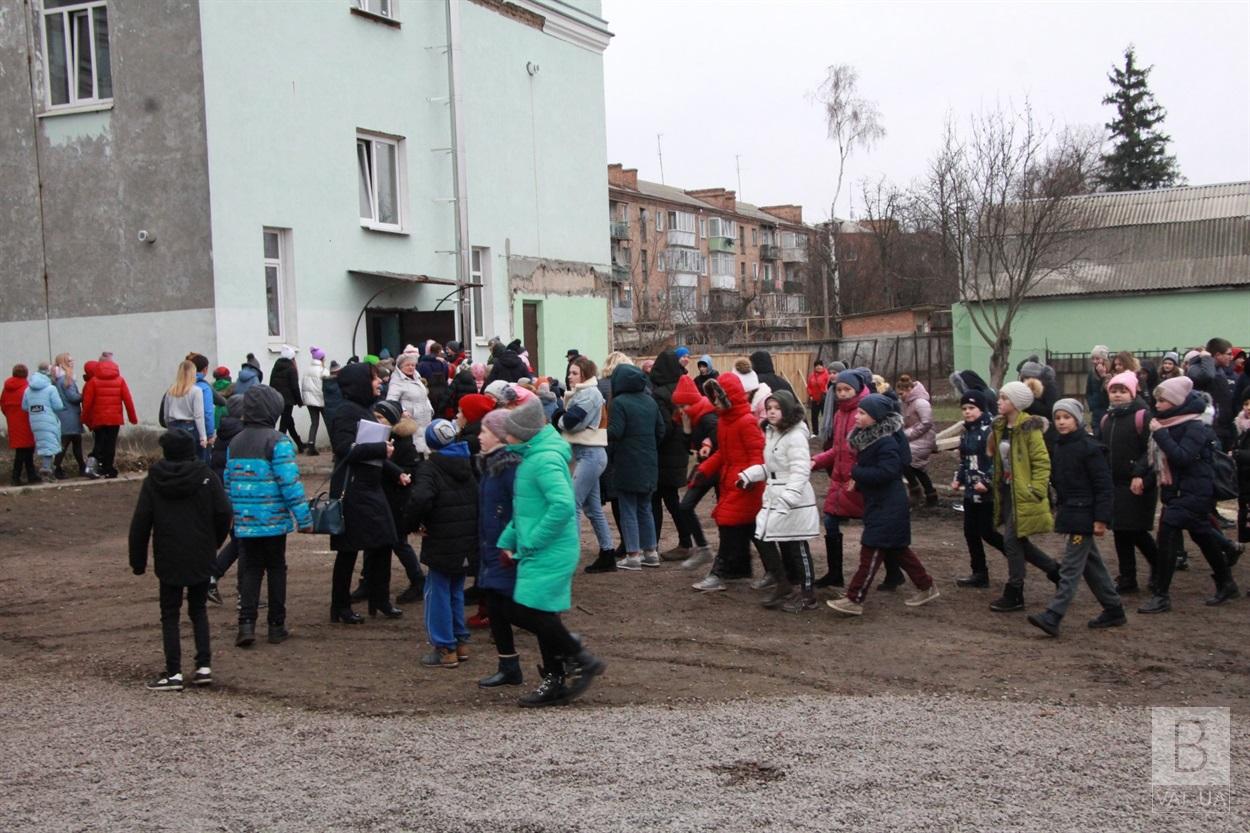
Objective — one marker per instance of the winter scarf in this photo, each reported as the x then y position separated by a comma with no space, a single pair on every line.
861,438
1157,456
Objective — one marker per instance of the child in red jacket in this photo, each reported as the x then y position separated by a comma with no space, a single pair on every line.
740,445
21,438
842,502
103,400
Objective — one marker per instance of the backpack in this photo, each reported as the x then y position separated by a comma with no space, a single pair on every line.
1225,480
1139,421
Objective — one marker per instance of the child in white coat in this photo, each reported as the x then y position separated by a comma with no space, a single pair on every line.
789,517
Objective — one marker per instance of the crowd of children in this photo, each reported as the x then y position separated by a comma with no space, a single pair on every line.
493,468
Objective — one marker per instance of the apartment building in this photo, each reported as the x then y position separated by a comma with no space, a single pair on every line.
684,257
229,177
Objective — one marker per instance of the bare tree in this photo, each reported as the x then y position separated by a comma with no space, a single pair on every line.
851,122
1003,200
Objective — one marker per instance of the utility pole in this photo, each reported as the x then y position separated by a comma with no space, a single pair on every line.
659,148
738,165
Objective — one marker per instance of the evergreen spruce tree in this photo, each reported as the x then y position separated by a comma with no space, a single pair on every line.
1138,159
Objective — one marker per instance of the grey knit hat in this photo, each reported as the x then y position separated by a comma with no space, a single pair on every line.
1017,394
1173,355
525,422
1071,406
1032,370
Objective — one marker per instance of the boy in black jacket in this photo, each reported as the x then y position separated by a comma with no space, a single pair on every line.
184,511
1082,481
975,477
444,503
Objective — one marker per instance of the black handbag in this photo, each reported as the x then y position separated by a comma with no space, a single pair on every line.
327,511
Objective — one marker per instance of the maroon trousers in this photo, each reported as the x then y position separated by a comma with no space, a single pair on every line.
870,559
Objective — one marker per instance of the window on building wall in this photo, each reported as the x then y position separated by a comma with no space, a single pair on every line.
646,266
720,227
659,221
382,8
681,221
279,292
755,271
642,222
702,228
755,237
380,172
76,43
479,269
742,236
768,273
742,268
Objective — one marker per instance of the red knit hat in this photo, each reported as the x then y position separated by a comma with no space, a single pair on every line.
686,392
474,406
222,372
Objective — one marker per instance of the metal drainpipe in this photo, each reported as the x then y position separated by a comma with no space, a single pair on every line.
43,230
464,329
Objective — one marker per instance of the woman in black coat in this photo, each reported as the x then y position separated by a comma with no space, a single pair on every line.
674,453
284,378
367,521
1134,493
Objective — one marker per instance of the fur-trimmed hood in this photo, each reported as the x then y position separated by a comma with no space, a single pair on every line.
792,412
497,461
406,427
861,438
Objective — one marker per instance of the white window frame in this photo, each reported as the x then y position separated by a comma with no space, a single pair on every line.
721,227
401,180
74,101
681,221
659,220
702,228
385,8
479,272
755,271
768,273
722,263
284,286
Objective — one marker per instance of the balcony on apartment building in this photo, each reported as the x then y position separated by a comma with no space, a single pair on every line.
620,273
793,247
722,235
723,283
770,251
686,261
620,229
680,237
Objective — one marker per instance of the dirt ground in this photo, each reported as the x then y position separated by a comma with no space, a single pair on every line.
70,605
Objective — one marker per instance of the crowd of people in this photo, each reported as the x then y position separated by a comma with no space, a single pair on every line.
492,465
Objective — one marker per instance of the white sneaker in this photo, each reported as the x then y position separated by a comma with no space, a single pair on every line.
650,558
709,584
202,676
767,582
922,597
630,562
701,557
846,607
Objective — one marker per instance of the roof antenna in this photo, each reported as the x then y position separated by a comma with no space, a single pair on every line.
659,148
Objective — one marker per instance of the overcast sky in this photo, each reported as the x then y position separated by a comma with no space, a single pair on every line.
720,78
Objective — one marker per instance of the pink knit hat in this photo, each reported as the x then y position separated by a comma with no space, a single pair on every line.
1175,390
479,371
496,422
523,395
1127,379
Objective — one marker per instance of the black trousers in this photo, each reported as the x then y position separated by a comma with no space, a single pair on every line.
286,425
555,643
794,558
71,442
1243,519
499,609
979,530
24,458
918,477
261,558
1207,539
407,558
1127,543
197,612
815,407
314,419
666,497
733,551
685,509
377,574
227,556
104,449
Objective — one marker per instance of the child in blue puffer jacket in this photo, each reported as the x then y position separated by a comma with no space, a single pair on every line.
262,479
42,402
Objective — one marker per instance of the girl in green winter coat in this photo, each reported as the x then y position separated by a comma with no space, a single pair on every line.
1022,483
541,542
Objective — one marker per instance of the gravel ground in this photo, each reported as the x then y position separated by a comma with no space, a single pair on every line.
82,756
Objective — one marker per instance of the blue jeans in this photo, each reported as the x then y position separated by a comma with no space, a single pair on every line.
444,609
637,521
591,460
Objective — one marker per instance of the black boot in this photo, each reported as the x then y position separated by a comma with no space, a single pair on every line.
1159,603
581,671
1012,599
509,673
414,593
1046,621
974,580
780,591
278,633
1224,592
1111,617
550,692
833,560
605,563
361,592
247,634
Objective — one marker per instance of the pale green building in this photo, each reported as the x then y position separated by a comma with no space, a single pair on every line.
1166,268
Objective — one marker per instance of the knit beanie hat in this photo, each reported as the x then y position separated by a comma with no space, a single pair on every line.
496,422
1127,379
439,434
287,352
371,359
682,352
390,410
317,353
686,393
177,444
222,372
525,422
876,406
850,377
973,397
1032,370
1072,406
474,406
1018,394
1175,391
384,354
750,381
1191,355
522,394
1172,354
501,391
478,369
836,367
